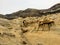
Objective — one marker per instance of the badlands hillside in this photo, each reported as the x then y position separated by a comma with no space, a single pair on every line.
31,27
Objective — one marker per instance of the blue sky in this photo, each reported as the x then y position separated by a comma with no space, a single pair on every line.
10,6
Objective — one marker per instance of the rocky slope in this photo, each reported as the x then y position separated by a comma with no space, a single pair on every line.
31,27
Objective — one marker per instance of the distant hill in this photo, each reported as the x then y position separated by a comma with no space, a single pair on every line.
33,12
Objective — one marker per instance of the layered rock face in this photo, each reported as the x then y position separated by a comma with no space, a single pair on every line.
31,27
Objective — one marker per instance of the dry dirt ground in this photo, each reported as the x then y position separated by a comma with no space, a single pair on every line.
14,32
